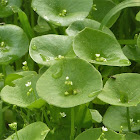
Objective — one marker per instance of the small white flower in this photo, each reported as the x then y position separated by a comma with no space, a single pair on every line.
28,84
104,129
24,63
63,114
67,78
97,55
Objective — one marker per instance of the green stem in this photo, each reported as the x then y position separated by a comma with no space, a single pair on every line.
128,119
17,135
34,95
46,118
3,69
72,125
32,18
127,42
52,27
15,19
4,72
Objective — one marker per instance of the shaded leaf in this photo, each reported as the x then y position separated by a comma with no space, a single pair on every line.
13,43
115,117
124,90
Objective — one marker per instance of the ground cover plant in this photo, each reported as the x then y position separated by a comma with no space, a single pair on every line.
69,70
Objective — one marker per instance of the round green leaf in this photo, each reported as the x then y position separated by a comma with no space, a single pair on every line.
16,92
116,117
122,90
48,49
103,7
95,134
79,25
34,131
13,43
99,48
6,7
62,12
69,83
132,52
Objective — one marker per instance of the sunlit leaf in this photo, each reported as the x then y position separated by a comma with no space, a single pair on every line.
69,83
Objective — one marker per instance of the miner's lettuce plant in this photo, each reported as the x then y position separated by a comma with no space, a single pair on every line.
69,69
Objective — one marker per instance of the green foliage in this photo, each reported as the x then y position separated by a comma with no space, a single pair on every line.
37,130
69,69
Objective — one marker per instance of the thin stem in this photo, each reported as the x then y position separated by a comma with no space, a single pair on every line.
3,69
34,95
17,135
127,42
52,27
128,119
72,125
46,118
4,72
15,19
32,18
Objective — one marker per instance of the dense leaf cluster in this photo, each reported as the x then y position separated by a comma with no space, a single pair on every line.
69,69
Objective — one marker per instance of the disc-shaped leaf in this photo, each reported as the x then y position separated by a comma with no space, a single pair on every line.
100,48
122,90
116,118
48,49
6,7
34,131
69,83
79,25
13,43
20,91
62,12
96,134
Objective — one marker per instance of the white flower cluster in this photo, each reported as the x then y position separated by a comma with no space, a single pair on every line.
100,59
